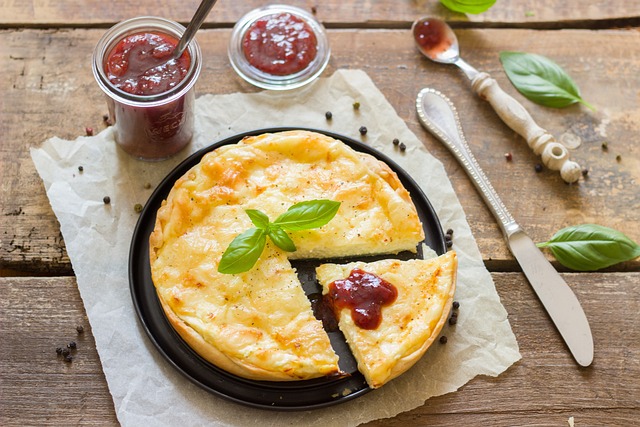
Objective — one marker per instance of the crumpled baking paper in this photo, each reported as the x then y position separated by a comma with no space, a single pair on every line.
146,389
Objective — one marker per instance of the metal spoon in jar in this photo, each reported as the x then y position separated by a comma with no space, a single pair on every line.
437,41
194,25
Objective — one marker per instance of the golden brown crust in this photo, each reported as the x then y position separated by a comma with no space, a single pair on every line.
259,324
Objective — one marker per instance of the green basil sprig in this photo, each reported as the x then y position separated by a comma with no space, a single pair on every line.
244,251
590,247
468,6
541,80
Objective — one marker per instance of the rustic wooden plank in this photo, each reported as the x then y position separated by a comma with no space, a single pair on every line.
545,388
389,13
47,92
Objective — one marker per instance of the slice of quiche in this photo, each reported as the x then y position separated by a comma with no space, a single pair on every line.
259,324
389,328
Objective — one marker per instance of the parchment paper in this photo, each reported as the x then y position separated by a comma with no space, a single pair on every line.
146,389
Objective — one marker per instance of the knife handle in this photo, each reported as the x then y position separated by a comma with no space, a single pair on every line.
440,116
554,155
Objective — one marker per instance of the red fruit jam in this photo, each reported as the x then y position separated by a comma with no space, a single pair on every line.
141,64
280,44
364,294
432,36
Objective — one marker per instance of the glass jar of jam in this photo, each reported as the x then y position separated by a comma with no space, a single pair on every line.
150,94
279,47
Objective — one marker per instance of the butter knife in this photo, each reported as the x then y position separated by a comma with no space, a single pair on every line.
438,115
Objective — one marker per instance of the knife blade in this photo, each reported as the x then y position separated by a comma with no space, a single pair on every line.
439,116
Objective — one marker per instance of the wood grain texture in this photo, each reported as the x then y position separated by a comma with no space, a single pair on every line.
46,92
545,388
379,13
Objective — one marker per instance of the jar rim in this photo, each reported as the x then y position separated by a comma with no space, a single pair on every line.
135,25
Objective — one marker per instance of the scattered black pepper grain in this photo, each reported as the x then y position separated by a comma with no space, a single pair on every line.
450,232
106,200
105,117
147,185
89,131
80,329
453,320
508,156
448,243
396,141
585,172
605,146
328,115
80,168
618,158
314,9
443,339
454,314
68,358
72,345
402,146
456,305
59,351
363,130
137,207
65,352
538,167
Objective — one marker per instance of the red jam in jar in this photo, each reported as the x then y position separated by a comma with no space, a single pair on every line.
280,44
141,64
149,94
364,294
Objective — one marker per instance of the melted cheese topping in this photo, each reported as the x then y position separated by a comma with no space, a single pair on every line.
259,324
409,325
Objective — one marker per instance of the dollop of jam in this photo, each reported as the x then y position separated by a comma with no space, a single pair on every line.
364,294
141,64
280,44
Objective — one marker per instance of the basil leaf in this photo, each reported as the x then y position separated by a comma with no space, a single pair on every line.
541,80
243,252
258,218
590,247
468,6
309,214
281,239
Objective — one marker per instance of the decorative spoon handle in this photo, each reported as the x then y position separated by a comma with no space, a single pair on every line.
438,114
555,156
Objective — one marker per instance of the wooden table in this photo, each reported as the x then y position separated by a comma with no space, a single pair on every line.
47,89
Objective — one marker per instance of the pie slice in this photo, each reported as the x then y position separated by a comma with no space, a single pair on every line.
408,324
259,324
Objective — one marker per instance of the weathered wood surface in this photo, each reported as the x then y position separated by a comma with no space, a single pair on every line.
389,13
48,90
545,388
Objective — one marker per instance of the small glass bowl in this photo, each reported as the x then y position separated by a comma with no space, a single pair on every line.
264,80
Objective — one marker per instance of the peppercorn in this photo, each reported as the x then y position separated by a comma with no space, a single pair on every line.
137,207
605,146
453,320
68,358
402,146
443,339
448,243
106,200
59,351
538,167
147,185
396,141
585,172
618,158
65,352
328,115
314,9
80,168
72,345
450,232
80,329
508,156
356,105
363,130
456,305
89,131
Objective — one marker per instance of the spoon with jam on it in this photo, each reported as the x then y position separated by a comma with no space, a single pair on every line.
436,40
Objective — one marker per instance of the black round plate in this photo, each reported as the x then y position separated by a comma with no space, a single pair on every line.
293,395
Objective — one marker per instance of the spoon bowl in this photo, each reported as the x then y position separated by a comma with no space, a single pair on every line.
436,40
